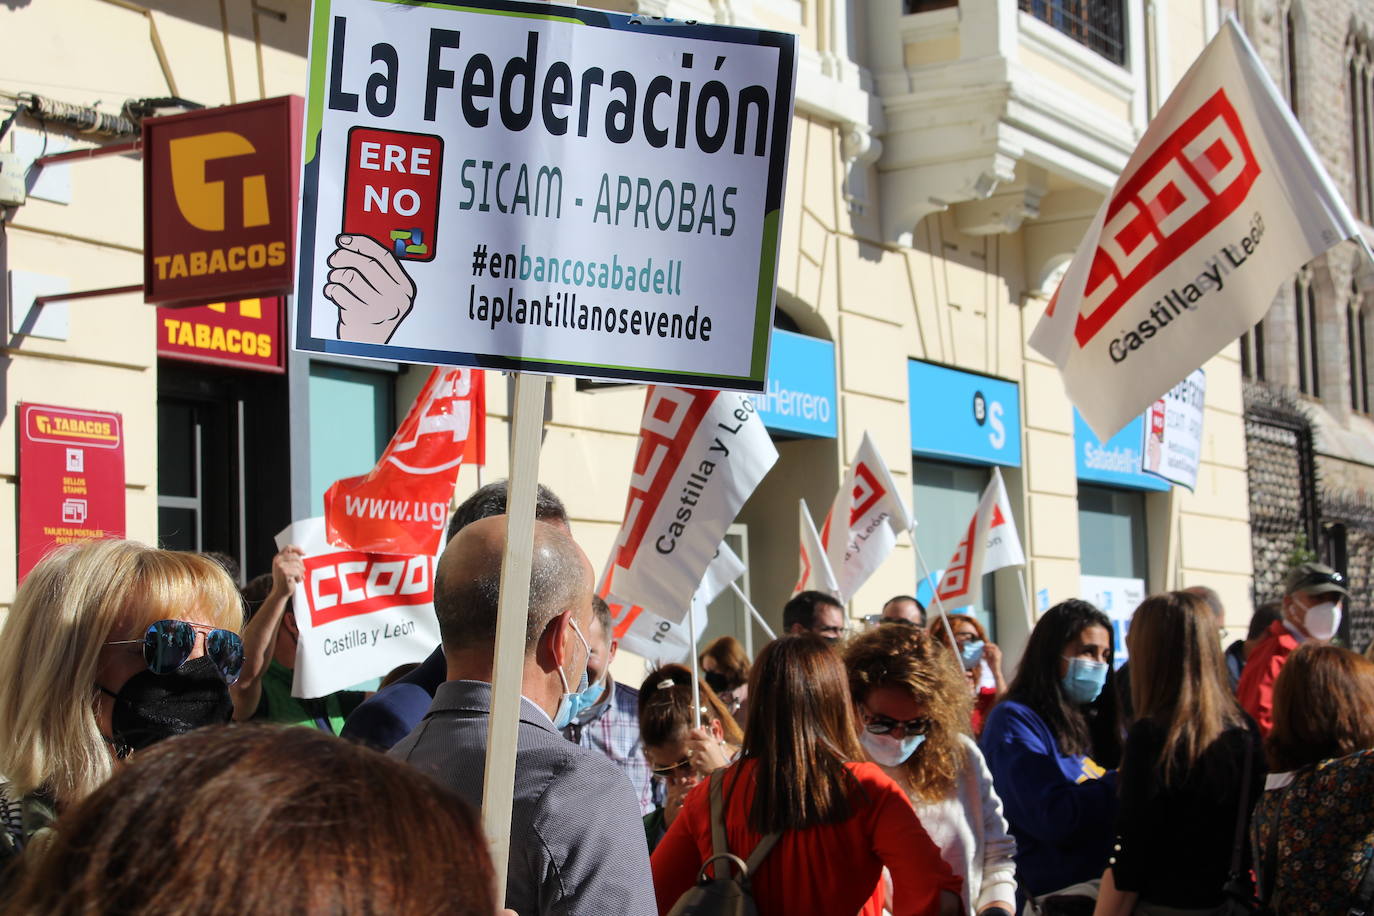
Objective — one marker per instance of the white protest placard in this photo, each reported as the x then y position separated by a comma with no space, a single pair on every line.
1173,432
546,188
359,614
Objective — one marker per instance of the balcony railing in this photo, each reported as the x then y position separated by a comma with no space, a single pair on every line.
1099,25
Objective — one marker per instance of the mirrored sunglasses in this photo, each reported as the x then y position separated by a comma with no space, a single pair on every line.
881,725
167,644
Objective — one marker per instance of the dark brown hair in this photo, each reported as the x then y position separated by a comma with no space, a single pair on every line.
914,661
665,708
801,731
1178,678
730,660
262,819
1323,707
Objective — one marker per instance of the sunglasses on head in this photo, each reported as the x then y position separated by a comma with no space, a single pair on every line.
881,725
167,644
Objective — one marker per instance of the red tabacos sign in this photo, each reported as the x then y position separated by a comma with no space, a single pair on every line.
219,202
71,479
245,334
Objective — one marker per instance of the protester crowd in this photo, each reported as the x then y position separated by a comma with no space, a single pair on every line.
892,769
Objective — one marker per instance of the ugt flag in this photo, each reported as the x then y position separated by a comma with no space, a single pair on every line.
401,505
864,520
990,544
701,453
359,614
1222,201
656,638
813,567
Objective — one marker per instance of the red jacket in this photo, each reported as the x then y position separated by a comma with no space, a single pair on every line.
820,871
1256,689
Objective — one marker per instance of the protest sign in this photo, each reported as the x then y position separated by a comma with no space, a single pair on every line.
546,188
401,505
700,455
813,566
1173,432
864,520
359,614
71,479
657,638
990,544
1222,201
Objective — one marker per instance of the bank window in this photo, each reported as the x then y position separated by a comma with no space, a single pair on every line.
1111,532
944,497
351,420
1305,317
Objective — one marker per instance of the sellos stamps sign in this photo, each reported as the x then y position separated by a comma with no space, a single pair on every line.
71,479
219,202
245,334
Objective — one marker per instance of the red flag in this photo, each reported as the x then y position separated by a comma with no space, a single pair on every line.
401,505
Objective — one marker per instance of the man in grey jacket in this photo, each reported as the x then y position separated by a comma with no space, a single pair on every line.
577,844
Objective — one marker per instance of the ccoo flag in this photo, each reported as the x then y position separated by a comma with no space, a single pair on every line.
864,520
990,544
660,640
701,454
1222,201
813,567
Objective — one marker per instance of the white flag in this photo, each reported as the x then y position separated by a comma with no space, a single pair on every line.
701,454
359,614
1222,201
814,573
990,543
864,520
661,640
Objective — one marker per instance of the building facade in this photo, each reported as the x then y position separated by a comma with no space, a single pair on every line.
946,158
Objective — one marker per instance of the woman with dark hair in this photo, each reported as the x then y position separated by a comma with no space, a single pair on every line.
1312,827
913,705
1053,745
981,661
726,668
262,819
679,752
1183,768
840,821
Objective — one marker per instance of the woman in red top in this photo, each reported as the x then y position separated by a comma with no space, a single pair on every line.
841,820
982,662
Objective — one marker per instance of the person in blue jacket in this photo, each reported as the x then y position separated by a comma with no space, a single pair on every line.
1053,745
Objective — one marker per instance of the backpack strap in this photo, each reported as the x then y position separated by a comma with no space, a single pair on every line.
760,853
719,846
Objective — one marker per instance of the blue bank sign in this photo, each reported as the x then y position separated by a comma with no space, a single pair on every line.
963,416
800,395
1116,462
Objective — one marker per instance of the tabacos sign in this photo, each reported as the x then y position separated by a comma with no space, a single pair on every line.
245,334
219,209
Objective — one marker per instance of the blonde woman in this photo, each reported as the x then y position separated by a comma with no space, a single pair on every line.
109,647
912,703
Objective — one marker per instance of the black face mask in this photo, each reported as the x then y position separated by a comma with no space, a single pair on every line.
716,681
151,707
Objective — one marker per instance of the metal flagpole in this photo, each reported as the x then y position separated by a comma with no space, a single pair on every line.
935,593
757,616
1025,598
696,663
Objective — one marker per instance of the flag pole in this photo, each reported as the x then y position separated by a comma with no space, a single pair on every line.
757,616
696,663
935,593
1025,598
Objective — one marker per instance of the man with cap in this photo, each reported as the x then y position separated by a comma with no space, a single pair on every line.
1312,596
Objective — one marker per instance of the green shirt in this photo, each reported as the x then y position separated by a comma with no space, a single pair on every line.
278,705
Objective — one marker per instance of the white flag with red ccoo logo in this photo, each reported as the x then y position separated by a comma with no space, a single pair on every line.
989,544
872,514
1222,201
359,614
656,638
813,567
701,454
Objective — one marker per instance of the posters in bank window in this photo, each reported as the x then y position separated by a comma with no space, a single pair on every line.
1117,597
1173,432
558,189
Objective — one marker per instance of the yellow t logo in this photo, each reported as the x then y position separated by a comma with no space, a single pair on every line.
202,202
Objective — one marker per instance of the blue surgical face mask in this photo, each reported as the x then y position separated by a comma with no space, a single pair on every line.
972,653
888,751
587,698
567,704
1084,680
